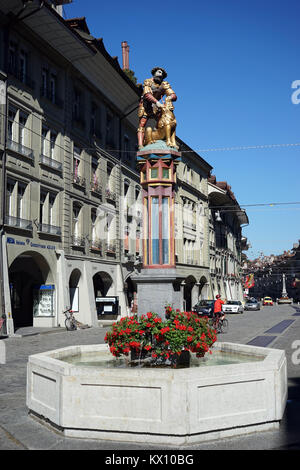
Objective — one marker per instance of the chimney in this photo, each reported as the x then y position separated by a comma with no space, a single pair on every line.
125,55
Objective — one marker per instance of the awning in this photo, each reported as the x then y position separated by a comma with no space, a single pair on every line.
48,24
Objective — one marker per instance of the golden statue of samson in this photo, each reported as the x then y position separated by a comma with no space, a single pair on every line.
150,107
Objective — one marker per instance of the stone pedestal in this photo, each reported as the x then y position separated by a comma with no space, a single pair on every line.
157,288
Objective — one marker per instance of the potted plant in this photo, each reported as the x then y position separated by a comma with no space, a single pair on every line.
167,342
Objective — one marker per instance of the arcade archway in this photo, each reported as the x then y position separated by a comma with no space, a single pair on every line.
189,284
28,273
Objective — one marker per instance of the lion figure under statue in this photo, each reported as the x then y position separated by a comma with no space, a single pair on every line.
166,127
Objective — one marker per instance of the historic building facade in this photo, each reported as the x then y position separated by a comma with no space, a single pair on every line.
71,199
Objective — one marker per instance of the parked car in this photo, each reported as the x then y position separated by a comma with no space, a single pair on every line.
252,304
267,301
285,300
204,308
233,306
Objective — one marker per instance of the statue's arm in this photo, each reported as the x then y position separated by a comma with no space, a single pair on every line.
170,94
147,94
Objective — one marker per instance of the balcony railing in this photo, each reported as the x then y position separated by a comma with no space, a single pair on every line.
78,241
96,245
96,188
54,98
56,165
110,248
79,180
18,222
21,76
189,225
19,148
110,195
49,229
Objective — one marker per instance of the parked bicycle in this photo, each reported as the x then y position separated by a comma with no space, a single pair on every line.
220,323
70,321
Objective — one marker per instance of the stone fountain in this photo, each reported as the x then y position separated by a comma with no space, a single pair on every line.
83,392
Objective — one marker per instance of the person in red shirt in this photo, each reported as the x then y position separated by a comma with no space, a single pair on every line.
218,306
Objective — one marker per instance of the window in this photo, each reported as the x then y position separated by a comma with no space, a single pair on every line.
166,173
23,66
17,210
109,129
154,173
18,132
76,104
12,124
48,209
49,147
22,128
76,225
52,95
20,206
12,57
77,165
44,87
94,232
94,171
18,64
109,176
93,119
155,229
126,148
53,137
10,202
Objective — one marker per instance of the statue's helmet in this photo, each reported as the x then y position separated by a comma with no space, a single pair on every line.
159,68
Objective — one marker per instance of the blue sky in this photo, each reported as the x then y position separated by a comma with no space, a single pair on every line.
231,64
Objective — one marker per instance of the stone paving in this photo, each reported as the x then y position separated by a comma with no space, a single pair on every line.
19,431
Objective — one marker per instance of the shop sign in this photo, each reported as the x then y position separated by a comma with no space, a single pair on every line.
43,300
14,241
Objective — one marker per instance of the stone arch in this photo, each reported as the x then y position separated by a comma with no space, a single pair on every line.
104,287
103,284
27,272
188,292
203,288
130,288
74,282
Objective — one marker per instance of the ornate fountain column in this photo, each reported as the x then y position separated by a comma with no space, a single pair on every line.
156,161
156,284
158,177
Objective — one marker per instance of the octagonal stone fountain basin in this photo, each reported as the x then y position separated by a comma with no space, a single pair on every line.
84,392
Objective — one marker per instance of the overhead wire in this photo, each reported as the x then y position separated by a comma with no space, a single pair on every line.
105,153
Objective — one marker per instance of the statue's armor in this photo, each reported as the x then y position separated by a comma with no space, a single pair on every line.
152,93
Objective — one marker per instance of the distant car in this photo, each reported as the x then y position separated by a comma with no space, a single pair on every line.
267,301
285,300
252,304
205,308
233,306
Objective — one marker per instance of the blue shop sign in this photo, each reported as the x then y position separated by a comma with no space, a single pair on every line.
45,287
12,241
